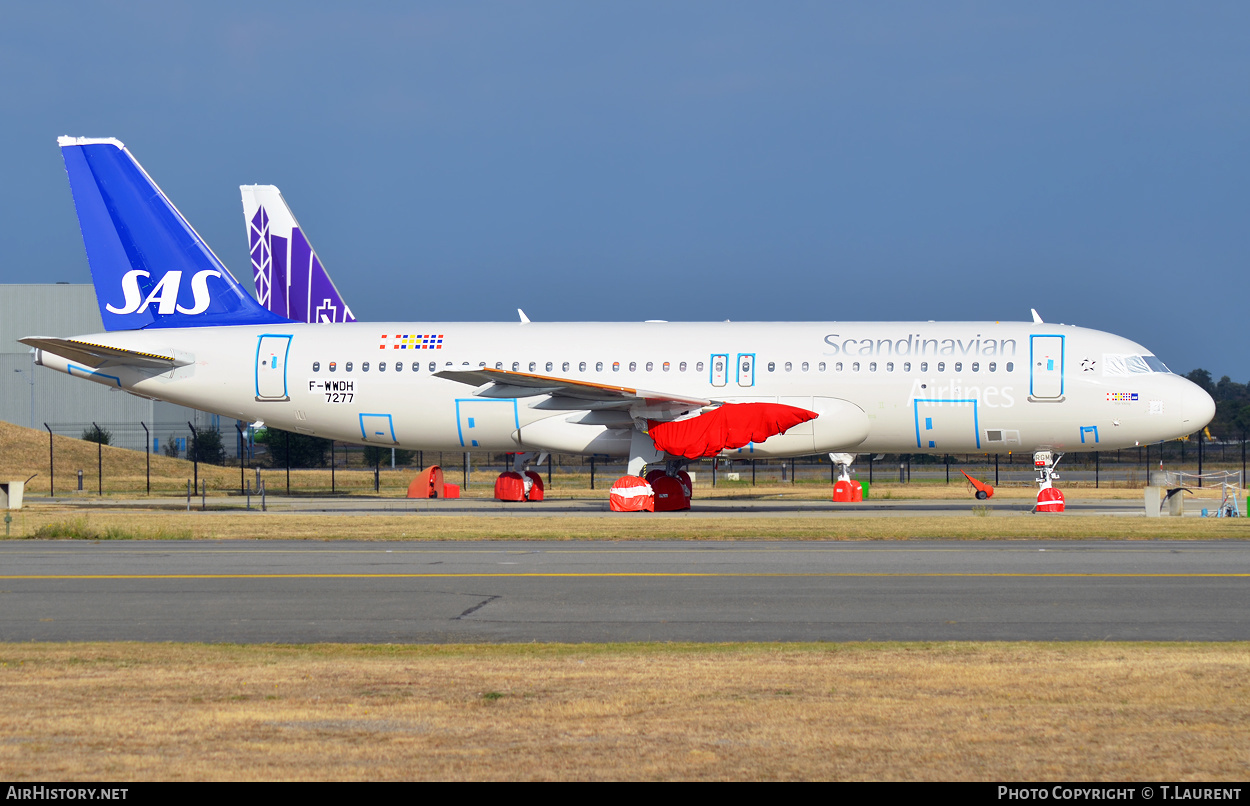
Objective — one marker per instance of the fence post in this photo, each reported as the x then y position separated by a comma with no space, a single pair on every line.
592,472
188,495
238,426
332,467
995,470
288,461
52,472
99,460
147,455
195,457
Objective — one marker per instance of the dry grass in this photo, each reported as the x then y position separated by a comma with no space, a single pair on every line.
850,711
53,522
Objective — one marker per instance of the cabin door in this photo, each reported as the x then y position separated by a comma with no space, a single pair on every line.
1046,360
271,356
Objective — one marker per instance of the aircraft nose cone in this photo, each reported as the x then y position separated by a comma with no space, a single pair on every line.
1197,407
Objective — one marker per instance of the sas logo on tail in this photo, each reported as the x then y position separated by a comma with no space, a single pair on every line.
165,294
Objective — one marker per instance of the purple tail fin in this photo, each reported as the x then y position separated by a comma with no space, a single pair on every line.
290,280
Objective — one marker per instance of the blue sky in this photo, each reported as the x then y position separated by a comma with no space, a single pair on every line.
683,161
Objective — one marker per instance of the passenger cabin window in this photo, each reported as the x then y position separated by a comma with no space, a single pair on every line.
516,366
941,366
498,365
872,366
649,366
533,366
924,366
976,366
666,366
889,366
805,366
993,366
633,365
316,366
906,366
681,367
598,366
416,366
433,366
837,367
787,366
549,365
616,366
581,366
348,367
564,367
959,366
1010,366
855,366
333,366
772,365
698,367
381,366
821,366
364,367
399,366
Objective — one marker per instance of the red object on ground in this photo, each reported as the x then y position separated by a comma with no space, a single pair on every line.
670,495
510,487
631,494
428,484
1049,500
658,473
536,487
980,487
847,492
684,478
451,491
730,426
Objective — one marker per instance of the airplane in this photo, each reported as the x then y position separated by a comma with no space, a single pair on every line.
180,328
289,277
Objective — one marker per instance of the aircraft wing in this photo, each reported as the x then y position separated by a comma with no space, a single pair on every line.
568,394
101,355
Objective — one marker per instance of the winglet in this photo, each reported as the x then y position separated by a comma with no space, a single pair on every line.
1037,320
525,320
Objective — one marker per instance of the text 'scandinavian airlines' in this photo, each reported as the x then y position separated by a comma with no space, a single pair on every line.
180,328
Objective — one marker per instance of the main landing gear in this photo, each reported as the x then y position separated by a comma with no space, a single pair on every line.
520,483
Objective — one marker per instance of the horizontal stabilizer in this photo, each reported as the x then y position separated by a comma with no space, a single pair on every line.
101,355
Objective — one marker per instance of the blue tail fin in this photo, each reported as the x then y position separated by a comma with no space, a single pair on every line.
150,268
290,280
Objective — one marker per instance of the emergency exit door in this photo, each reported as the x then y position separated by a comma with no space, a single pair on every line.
720,369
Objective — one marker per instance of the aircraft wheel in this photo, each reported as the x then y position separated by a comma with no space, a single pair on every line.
982,495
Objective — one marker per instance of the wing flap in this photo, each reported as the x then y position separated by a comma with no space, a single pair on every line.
571,393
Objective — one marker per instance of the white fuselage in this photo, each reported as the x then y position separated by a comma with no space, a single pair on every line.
921,387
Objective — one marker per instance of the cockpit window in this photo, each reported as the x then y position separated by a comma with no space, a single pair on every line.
1114,364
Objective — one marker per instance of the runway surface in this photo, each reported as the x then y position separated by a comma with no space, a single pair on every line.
539,591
